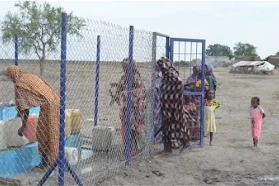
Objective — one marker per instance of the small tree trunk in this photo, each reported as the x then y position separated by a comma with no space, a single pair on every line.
42,62
41,67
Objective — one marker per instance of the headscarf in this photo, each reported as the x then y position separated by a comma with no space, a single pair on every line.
33,83
197,67
14,73
121,86
209,70
164,64
168,71
125,66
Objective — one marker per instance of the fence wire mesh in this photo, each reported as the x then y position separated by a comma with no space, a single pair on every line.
95,106
25,133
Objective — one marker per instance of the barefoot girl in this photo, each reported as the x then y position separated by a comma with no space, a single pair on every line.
257,114
209,114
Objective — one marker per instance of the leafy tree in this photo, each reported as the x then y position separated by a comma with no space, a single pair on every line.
277,54
38,27
219,50
245,49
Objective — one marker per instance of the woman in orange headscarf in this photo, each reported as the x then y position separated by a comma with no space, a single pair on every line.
32,91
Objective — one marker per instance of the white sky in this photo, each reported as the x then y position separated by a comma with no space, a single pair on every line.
217,22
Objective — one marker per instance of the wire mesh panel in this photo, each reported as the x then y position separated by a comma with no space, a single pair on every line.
30,140
82,110
189,58
101,148
162,45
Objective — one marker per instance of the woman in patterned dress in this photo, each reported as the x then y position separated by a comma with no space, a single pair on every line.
32,91
138,104
175,118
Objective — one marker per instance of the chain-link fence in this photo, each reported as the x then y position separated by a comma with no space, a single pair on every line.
82,111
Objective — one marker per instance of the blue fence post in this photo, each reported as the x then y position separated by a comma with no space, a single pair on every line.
97,79
203,94
16,49
129,101
168,47
63,72
171,50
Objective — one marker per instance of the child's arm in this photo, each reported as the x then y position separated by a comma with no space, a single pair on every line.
262,111
218,104
215,83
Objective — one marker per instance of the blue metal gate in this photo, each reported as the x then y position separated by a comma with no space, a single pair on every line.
185,53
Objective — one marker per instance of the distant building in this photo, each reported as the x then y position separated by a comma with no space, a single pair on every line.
247,58
273,60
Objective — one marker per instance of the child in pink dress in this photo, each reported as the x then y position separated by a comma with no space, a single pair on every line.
256,114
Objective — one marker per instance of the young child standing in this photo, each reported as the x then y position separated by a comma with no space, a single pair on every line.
209,121
257,115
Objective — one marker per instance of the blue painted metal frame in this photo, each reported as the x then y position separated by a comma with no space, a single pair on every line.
63,72
129,99
61,161
16,49
202,93
97,80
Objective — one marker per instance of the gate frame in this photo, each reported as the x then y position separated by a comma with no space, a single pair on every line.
186,93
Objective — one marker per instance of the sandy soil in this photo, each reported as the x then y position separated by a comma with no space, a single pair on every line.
232,160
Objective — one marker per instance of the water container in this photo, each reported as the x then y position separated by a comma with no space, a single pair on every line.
102,137
30,129
68,123
76,126
11,128
71,154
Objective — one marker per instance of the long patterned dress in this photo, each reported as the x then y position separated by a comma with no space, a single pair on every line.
137,108
175,118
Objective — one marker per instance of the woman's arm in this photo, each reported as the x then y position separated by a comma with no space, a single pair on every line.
24,116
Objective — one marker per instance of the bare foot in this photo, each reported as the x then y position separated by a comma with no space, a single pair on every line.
185,146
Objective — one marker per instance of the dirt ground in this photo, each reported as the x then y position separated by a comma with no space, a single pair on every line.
232,160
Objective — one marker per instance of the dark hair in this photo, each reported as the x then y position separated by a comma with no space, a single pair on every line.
257,99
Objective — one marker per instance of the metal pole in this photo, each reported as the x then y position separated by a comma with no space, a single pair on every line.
63,72
97,79
16,50
171,51
152,97
129,101
169,55
203,94
168,47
